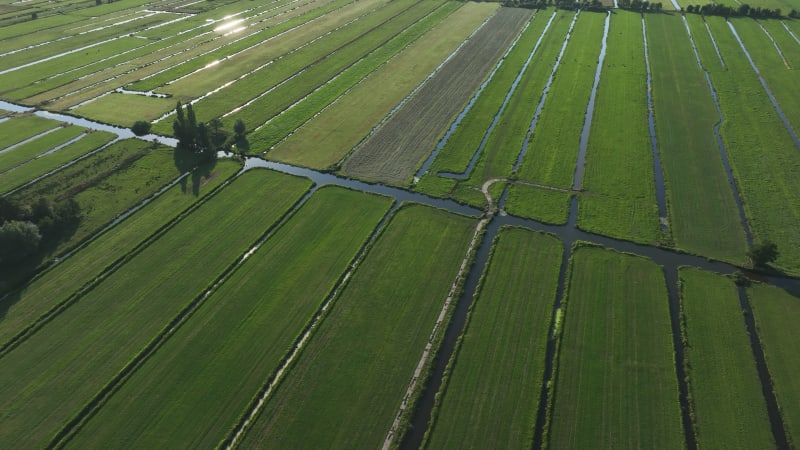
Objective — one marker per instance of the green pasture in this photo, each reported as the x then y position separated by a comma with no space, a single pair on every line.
491,395
619,163
616,385
776,313
194,389
350,379
274,130
125,109
457,152
52,375
55,286
326,139
763,157
553,147
720,365
703,215
542,204
785,41
18,128
32,149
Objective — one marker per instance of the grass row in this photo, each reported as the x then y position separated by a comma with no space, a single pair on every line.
619,163
32,149
776,313
616,385
492,392
324,140
194,388
17,129
271,132
544,205
763,157
21,308
55,373
704,218
720,364
350,379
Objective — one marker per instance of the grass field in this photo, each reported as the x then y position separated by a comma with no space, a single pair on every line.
776,313
346,122
492,393
194,388
616,385
536,203
73,357
19,128
720,366
350,379
703,215
25,152
619,162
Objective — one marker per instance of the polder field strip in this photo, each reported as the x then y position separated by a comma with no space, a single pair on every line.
704,217
19,128
505,142
619,162
720,365
75,356
776,314
54,288
763,157
364,352
342,125
615,384
540,203
26,152
491,396
776,68
392,154
784,39
194,389
255,99
278,127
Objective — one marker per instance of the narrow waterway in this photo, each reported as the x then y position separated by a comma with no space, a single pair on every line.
577,178
464,175
714,43
791,33
775,44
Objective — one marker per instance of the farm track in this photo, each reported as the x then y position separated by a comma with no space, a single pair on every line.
392,154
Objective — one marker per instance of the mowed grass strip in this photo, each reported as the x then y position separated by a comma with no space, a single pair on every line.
21,308
50,376
17,129
777,313
492,394
619,160
553,147
392,154
763,157
704,218
544,205
349,381
327,138
194,389
720,365
32,149
616,385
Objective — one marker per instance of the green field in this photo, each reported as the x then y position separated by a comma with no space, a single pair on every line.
542,204
703,215
80,350
25,152
720,366
267,300
615,386
492,393
17,129
350,379
777,312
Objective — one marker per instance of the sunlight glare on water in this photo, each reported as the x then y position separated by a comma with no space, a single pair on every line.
227,26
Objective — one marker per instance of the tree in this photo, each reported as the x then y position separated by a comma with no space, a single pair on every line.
18,240
141,127
239,128
762,254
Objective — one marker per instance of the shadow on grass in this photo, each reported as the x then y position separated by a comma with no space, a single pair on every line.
199,165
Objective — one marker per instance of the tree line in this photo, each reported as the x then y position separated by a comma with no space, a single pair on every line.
743,10
26,229
571,5
640,5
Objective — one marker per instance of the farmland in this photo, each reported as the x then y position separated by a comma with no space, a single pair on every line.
399,224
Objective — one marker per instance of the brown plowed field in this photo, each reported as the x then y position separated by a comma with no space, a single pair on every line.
393,153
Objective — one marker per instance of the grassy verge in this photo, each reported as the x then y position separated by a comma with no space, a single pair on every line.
492,393
350,379
619,161
323,141
54,373
194,388
777,313
704,218
720,365
616,385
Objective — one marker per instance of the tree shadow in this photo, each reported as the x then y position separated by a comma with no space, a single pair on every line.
199,165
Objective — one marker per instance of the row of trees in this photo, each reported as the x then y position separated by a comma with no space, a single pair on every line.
639,5
25,229
593,5
204,140
743,10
